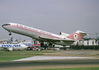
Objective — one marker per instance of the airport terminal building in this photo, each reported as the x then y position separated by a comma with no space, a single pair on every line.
89,41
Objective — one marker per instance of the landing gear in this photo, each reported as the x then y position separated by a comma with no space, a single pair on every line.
11,38
10,33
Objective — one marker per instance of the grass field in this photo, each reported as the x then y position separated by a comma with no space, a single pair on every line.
13,55
84,68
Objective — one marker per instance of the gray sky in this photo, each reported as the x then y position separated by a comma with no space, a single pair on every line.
51,15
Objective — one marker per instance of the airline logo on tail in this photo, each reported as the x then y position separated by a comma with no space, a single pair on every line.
78,35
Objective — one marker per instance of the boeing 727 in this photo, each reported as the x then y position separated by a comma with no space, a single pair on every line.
43,36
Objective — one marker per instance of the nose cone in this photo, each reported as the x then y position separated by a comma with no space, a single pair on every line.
3,25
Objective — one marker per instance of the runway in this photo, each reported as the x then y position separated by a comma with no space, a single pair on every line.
58,59
49,63
50,58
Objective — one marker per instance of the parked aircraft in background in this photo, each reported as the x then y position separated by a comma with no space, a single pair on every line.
11,47
43,36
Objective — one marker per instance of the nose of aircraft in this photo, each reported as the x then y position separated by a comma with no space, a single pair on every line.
3,25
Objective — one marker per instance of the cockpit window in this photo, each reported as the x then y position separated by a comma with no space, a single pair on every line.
5,25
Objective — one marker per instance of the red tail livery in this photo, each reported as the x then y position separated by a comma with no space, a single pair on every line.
78,35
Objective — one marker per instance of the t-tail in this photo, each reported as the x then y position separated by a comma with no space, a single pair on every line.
78,35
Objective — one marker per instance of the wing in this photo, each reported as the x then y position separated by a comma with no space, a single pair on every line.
56,40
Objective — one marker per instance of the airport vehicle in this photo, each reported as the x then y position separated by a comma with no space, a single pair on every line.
38,48
30,48
35,47
11,47
43,36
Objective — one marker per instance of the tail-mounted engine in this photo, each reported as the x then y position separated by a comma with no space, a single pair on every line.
64,34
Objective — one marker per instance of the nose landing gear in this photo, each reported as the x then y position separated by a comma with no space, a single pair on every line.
10,33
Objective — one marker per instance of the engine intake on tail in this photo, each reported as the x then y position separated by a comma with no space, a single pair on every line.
65,34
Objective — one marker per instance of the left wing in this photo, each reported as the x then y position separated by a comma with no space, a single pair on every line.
56,40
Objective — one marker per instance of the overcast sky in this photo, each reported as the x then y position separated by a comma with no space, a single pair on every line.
51,15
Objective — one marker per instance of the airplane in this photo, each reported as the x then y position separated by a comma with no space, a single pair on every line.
44,36
11,47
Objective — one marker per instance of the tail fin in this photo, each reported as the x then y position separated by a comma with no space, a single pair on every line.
78,35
